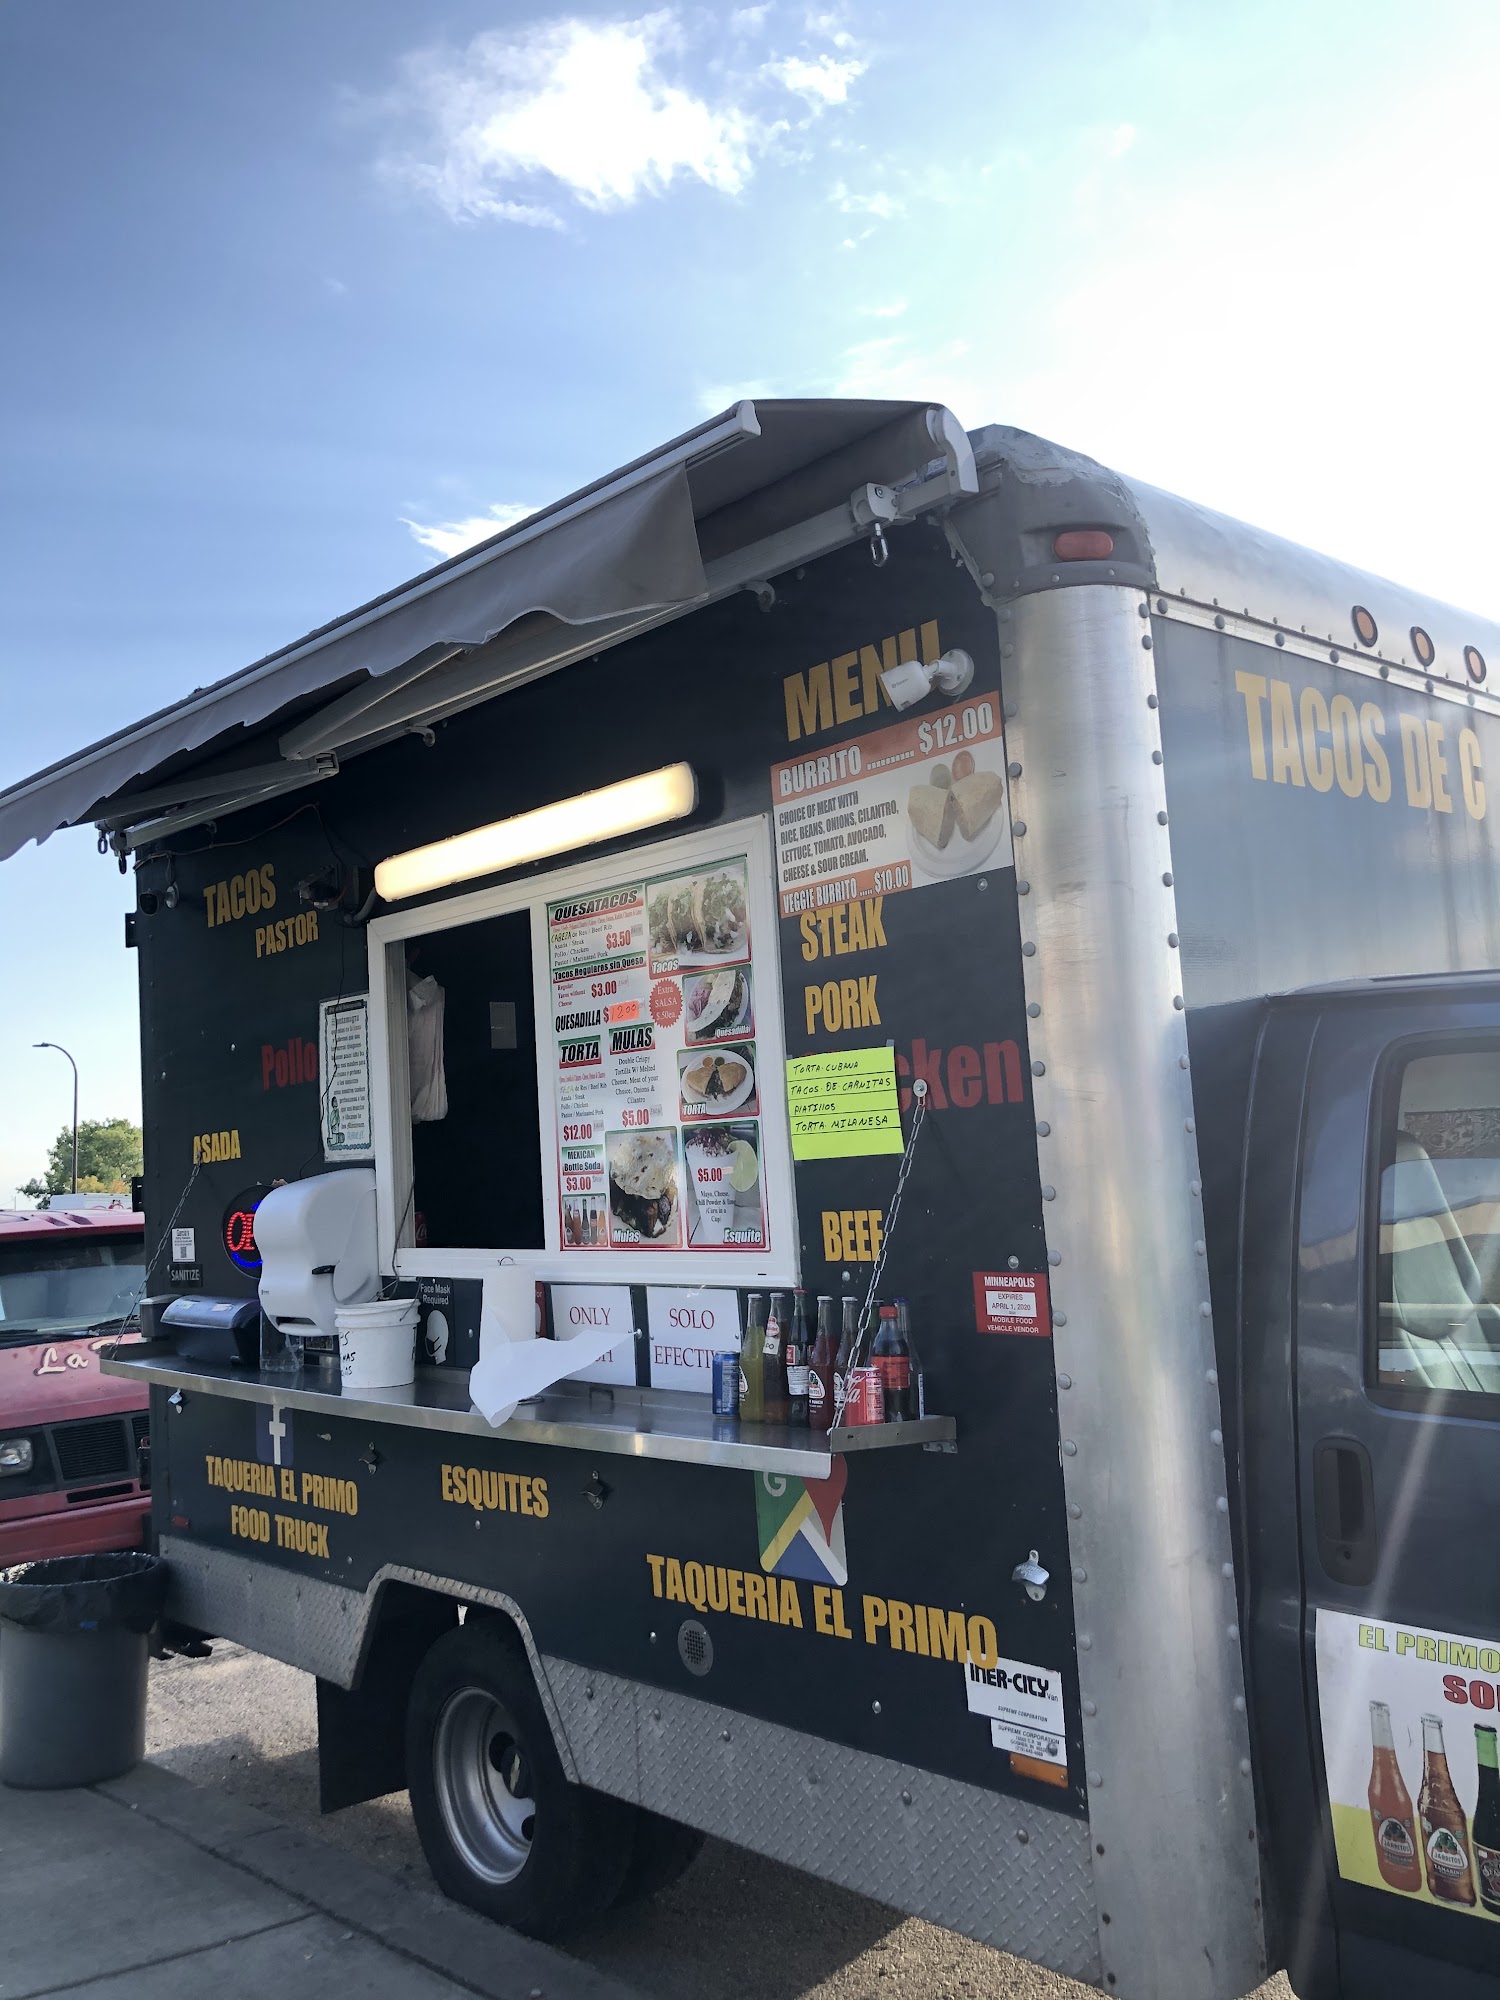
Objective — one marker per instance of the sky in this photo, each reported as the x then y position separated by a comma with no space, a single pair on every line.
300,298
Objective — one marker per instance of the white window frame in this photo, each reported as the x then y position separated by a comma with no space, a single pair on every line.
390,1086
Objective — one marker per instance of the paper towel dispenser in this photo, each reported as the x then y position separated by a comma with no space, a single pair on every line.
316,1240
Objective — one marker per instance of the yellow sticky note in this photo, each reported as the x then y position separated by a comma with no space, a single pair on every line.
843,1103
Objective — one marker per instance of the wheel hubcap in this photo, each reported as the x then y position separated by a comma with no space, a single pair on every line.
484,1785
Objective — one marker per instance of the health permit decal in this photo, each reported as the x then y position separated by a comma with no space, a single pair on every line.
658,1091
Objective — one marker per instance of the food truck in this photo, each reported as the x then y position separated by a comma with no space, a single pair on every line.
844,851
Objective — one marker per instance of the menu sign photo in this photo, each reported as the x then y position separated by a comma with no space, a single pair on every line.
658,1095
919,802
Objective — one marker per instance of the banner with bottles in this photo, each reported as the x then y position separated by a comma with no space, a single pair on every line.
1410,1720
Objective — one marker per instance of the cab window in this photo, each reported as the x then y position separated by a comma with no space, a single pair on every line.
1438,1266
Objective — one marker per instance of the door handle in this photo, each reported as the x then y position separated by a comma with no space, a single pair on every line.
1344,1509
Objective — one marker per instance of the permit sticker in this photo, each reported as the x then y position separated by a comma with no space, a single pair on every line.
184,1246
1024,1705
1011,1302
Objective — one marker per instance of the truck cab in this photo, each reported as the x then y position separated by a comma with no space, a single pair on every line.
73,1441
1369,1374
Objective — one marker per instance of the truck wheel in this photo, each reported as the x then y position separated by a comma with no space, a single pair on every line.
664,1852
500,1825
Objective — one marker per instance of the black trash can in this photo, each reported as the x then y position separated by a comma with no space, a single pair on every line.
73,1657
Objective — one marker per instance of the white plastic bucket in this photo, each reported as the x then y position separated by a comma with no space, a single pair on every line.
377,1343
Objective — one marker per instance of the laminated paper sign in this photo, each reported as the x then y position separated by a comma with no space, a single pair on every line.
687,1329
656,1072
1411,1724
922,801
843,1103
344,1078
579,1308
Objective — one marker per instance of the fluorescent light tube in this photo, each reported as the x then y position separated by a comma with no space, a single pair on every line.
630,806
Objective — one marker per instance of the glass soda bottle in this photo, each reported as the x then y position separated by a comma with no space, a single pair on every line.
847,1338
752,1368
773,1364
798,1343
1486,1834
822,1366
892,1360
1391,1818
1445,1831
918,1377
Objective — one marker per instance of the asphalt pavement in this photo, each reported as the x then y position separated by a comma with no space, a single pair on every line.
736,1927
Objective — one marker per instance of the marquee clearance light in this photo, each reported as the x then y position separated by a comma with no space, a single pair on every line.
629,807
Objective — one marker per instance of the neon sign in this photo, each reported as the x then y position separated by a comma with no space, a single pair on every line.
238,1233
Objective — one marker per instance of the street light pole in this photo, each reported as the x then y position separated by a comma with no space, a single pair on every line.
63,1052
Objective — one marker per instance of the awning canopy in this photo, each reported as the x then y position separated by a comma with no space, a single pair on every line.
744,496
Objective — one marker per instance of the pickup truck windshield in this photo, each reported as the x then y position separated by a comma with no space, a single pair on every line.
47,1289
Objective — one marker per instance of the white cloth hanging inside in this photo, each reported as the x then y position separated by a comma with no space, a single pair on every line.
424,1049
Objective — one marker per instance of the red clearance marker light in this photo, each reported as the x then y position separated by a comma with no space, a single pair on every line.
1422,646
1474,662
1365,628
1083,545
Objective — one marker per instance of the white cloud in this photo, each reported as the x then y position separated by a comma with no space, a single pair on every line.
892,311
451,538
884,207
831,27
582,103
749,20
823,81
1119,142
598,111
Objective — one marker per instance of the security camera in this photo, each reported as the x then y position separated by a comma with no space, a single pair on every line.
913,680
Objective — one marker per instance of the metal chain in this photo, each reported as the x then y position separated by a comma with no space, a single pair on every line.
866,1317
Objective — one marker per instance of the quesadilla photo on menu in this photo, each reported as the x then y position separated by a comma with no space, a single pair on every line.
715,1004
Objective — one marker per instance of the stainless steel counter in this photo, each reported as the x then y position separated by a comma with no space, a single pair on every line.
631,1423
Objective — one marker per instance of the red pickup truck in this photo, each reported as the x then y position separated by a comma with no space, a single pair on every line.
69,1436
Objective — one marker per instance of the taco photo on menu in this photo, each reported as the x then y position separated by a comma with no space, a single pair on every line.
696,919
643,1191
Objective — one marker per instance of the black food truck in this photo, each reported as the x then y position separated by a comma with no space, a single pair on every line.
846,854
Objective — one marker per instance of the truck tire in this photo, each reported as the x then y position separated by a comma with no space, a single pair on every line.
502,1828
664,1851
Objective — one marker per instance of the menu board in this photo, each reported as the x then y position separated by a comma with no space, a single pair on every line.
921,801
657,1076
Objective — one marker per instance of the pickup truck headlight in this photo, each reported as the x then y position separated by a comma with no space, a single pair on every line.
15,1455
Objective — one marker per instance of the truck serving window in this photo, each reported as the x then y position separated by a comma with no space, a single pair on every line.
1438,1266
584,1070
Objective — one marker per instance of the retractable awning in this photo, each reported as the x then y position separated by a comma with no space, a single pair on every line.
744,496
